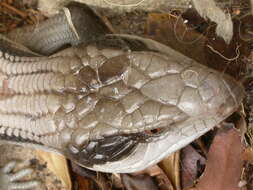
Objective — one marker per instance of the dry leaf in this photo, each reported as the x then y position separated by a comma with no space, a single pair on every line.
58,165
191,161
139,182
83,183
170,166
224,162
162,179
248,155
172,31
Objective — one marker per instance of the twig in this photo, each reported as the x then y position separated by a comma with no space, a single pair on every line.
228,59
13,9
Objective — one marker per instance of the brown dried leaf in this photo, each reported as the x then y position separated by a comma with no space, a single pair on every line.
170,166
139,182
191,161
58,165
248,155
172,31
162,179
83,183
224,163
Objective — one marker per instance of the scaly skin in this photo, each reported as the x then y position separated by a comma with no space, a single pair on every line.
11,180
97,103
75,24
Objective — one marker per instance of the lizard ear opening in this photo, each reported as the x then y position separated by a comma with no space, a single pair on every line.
104,150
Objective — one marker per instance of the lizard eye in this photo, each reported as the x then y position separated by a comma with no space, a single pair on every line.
155,131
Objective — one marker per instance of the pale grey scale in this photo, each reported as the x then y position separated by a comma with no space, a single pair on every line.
16,132
234,92
172,113
44,84
86,105
56,64
102,130
109,112
155,65
12,58
14,69
6,55
9,68
43,103
69,102
116,90
35,85
92,51
208,90
229,90
96,62
17,58
89,121
37,105
170,88
147,117
23,134
10,121
109,53
70,83
71,120
140,60
78,51
137,120
49,123
25,81
79,137
26,84
150,112
66,135
9,132
134,78
24,59
19,68
2,130
66,66
159,67
194,75
132,101
34,67
52,141
127,122
4,62
191,103
3,77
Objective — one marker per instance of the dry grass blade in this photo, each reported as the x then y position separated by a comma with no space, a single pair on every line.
170,166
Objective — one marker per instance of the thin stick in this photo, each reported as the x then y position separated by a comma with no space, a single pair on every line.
228,59
13,9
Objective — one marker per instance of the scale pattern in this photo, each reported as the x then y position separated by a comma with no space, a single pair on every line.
85,99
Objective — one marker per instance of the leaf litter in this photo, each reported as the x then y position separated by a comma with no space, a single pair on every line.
226,165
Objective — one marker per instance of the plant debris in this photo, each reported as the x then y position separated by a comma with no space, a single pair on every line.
16,13
226,165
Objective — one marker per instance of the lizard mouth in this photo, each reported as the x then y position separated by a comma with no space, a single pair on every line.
111,148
